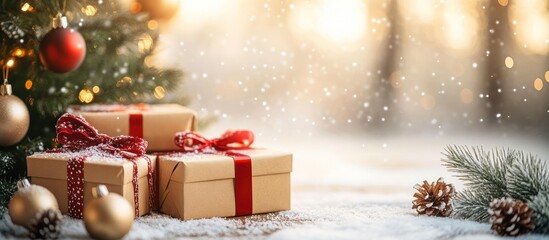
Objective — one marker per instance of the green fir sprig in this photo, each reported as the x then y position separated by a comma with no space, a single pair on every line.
499,173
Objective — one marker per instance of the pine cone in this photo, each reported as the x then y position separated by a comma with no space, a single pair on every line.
510,217
435,199
46,225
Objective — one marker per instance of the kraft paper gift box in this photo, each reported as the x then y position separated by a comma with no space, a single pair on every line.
203,185
156,123
50,171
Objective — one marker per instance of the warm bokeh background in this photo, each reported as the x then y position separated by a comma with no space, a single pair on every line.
380,87
358,64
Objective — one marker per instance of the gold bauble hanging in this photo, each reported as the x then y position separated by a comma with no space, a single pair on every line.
30,201
108,215
14,117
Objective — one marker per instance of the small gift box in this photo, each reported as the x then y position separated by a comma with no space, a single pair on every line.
155,123
223,178
88,159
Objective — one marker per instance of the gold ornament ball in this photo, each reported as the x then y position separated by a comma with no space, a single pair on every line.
108,215
14,120
29,201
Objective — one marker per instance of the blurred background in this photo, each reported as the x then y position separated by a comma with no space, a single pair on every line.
379,86
359,65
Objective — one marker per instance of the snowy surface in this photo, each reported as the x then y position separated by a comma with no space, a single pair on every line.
344,187
315,215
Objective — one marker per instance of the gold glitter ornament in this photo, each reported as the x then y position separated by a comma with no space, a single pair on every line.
29,202
108,215
14,115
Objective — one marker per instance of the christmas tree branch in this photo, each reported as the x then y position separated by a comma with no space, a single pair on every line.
472,205
13,167
540,205
495,174
118,65
528,176
479,169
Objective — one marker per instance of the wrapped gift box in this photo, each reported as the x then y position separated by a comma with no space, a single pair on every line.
155,123
203,185
50,170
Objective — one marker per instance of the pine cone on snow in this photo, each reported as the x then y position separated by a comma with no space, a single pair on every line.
435,199
510,217
46,225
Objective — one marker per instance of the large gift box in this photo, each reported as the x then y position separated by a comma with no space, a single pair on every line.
88,159
224,183
156,123
50,171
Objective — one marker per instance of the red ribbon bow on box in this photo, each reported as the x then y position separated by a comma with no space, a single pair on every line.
76,134
230,140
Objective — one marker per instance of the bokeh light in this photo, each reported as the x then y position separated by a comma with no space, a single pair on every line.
96,89
332,20
538,84
509,62
159,92
10,63
89,10
323,64
28,84
26,7
532,31
85,96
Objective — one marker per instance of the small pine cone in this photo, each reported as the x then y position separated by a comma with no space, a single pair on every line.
435,199
46,225
510,217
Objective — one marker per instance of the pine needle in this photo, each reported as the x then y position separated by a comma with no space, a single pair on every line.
472,205
499,173
540,205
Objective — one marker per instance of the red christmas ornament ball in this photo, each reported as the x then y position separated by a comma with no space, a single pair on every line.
62,50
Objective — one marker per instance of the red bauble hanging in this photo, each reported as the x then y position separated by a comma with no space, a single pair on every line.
62,49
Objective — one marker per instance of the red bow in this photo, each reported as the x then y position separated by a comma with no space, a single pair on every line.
230,140
75,133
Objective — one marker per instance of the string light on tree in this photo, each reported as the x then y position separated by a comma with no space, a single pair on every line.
26,7
85,96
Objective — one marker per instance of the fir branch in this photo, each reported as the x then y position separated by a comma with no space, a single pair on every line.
6,163
13,167
7,188
499,173
540,205
527,177
473,205
478,168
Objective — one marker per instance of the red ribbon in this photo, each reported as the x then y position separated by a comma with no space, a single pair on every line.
76,134
136,124
135,119
230,140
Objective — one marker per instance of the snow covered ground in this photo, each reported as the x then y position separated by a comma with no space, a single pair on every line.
315,215
344,187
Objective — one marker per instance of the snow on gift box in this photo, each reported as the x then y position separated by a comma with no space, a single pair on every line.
156,123
223,177
88,159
